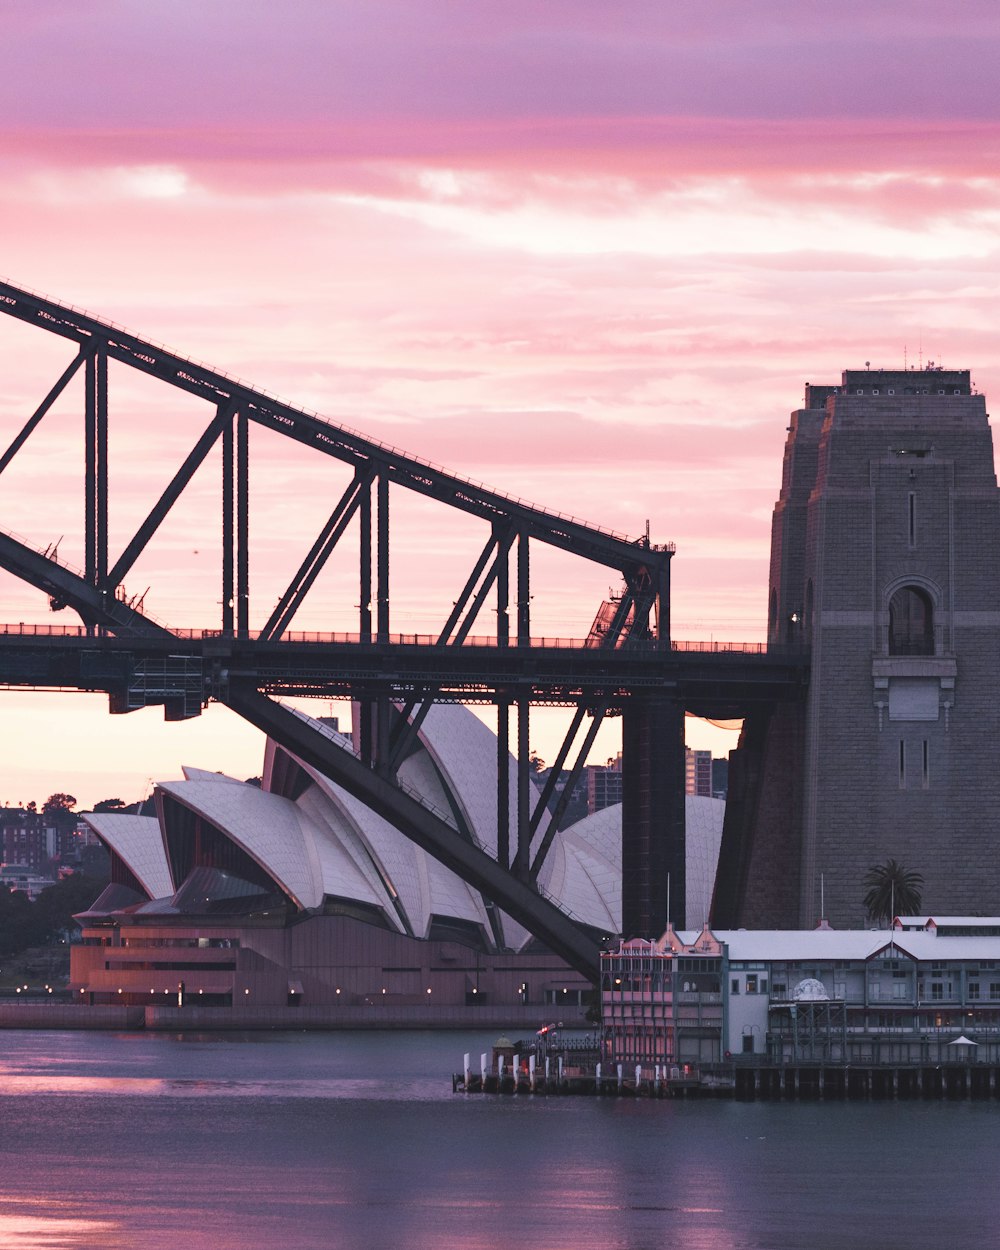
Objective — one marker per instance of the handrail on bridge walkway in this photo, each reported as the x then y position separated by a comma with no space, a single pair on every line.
712,647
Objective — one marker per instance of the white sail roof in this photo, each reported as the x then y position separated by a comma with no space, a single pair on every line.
325,843
137,841
267,827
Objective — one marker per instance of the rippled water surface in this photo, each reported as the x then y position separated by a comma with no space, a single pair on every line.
356,1141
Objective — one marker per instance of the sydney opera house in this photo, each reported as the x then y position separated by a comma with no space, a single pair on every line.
294,894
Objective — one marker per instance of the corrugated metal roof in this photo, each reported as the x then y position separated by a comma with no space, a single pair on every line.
806,945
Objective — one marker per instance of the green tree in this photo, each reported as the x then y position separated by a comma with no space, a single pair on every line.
109,805
57,904
18,922
59,802
95,862
892,891
59,809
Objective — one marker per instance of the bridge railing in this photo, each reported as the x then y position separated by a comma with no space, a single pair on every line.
32,629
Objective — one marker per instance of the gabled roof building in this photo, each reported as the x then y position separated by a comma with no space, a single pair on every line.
897,997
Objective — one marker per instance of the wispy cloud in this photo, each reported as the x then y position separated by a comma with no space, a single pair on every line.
584,253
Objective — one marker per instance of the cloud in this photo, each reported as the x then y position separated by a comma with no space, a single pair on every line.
337,62
587,254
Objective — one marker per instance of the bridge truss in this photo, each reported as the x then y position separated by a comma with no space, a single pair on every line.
626,666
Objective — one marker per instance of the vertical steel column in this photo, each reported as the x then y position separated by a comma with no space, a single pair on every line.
242,526
101,360
503,593
90,471
382,623
663,607
522,858
228,532
365,702
653,843
365,579
380,743
503,712
503,782
523,591
96,468
383,725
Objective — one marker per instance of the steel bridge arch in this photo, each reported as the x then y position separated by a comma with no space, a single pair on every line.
638,618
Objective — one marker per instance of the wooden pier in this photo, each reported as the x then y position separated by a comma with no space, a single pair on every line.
819,1082
513,1068
606,1087
517,1068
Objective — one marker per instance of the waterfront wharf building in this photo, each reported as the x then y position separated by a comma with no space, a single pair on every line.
292,897
885,566
906,996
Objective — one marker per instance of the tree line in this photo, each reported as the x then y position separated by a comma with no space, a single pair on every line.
25,923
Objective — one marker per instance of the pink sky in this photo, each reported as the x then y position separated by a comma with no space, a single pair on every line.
587,253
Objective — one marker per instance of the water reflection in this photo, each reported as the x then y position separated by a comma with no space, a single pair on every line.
356,1142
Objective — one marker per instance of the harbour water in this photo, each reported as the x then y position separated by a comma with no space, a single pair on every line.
354,1141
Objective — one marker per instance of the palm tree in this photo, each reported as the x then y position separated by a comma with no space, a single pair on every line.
892,891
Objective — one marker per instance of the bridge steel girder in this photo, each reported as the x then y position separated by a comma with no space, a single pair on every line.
628,556
634,671
349,669
95,606
539,916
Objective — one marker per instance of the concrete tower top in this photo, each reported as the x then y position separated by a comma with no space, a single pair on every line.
934,380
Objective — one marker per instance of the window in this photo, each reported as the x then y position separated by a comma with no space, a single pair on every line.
937,990
995,989
912,518
736,985
973,989
926,758
911,622
751,984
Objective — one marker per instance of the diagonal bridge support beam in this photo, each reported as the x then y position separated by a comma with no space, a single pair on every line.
422,826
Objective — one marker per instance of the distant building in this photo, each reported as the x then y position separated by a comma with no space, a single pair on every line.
604,785
662,1001
23,879
698,772
924,992
28,839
